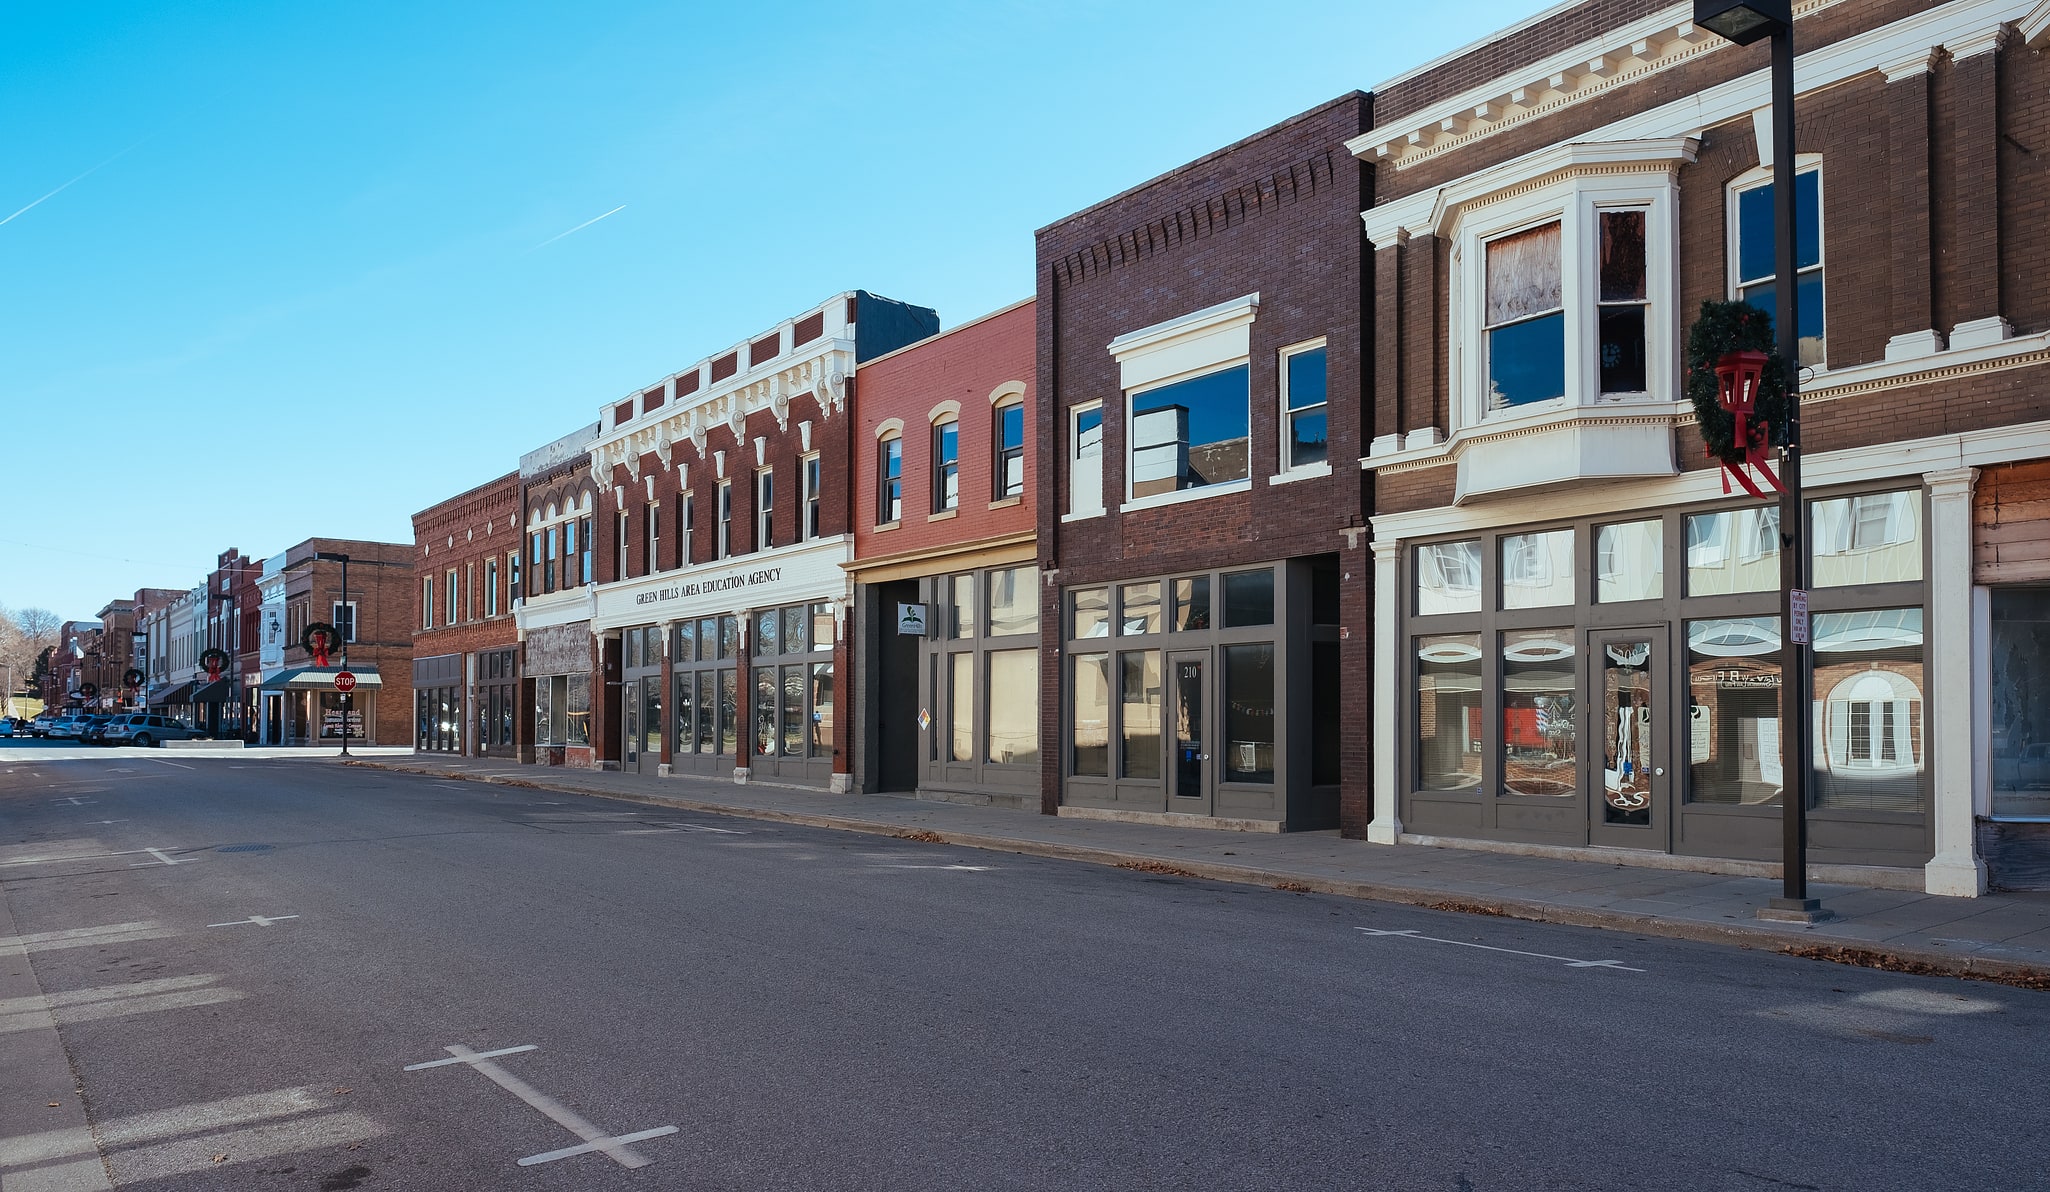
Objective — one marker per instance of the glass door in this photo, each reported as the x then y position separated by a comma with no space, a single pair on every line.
1632,807
630,753
1189,784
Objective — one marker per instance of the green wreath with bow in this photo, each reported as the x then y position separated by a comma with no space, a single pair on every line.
1721,328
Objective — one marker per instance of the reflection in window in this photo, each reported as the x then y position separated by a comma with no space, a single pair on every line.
961,711
1139,713
1090,616
821,709
1537,569
1733,711
1013,601
1304,431
1010,461
1139,608
1089,732
2019,658
1192,603
1874,538
1735,550
1525,319
1448,712
946,465
1757,263
1448,577
1624,301
1630,562
1249,713
961,605
1539,745
1868,694
1013,707
1191,433
1085,460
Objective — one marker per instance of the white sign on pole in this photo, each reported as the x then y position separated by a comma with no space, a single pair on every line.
1797,621
911,620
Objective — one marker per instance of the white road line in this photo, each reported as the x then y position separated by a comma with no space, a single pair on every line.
73,801
588,1147
562,1115
259,920
118,821
1567,960
72,857
958,868
472,1058
161,859
180,765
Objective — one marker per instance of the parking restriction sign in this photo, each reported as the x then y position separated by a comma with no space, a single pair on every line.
1797,621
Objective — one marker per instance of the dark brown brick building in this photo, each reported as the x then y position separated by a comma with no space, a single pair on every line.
1577,620
465,643
1201,520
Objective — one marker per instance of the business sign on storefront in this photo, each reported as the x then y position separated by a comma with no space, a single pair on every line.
911,620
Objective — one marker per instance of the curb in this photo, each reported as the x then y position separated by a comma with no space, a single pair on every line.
1787,941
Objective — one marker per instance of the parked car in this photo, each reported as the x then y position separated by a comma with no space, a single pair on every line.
64,728
13,728
89,728
147,729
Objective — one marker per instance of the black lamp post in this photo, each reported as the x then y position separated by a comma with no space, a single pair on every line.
1744,22
348,697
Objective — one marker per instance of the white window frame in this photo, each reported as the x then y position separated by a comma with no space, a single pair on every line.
1752,179
765,508
1092,502
652,515
349,634
686,515
1575,201
1000,489
1214,339
451,598
1284,415
725,518
491,586
427,602
811,476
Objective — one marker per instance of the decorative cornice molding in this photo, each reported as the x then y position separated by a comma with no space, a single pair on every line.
2035,27
1912,65
1390,225
1982,41
1661,414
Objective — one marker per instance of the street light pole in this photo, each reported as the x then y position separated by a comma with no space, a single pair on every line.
1744,22
348,697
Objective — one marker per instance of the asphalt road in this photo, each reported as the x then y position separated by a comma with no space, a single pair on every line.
245,957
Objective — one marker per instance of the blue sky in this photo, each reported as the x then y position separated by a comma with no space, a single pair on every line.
301,276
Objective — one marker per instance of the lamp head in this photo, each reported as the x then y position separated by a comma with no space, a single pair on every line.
1744,21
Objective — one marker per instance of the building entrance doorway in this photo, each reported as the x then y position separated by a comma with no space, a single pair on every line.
1190,783
1633,783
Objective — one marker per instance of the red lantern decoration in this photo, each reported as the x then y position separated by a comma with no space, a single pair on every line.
1738,378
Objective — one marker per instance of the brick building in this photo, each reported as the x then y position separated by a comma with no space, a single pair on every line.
1201,527
551,594
465,643
944,511
374,618
1579,642
78,680
224,708
722,525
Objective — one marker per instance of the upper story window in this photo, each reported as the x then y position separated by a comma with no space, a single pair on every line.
427,603
1191,433
811,515
725,543
651,521
1305,430
345,618
1753,252
1564,280
491,586
512,563
588,549
620,541
454,605
1085,460
765,509
946,465
569,554
687,524
1010,450
548,566
890,480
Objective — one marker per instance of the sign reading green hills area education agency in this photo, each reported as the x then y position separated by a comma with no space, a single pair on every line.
739,579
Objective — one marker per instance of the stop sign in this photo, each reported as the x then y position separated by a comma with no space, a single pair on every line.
345,681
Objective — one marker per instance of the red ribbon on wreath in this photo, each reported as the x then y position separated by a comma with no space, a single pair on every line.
318,641
1738,378
213,661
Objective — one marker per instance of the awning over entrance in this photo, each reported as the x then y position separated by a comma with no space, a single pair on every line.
217,692
173,693
320,678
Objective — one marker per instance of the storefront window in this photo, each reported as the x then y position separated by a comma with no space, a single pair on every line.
1537,569
1448,578
1013,707
1448,712
1735,550
796,709
1874,538
961,709
822,709
1191,603
1091,613
1139,713
1540,675
687,642
765,710
1013,602
1139,608
729,711
1089,731
1869,710
574,700
1249,713
1249,598
1630,562
1733,711
796,619
822,634
2021,702
961,606
729,636
767,636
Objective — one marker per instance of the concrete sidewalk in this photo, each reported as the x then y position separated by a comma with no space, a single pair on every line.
2003,937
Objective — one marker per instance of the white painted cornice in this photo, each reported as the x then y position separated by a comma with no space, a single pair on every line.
2035,26
1641,49
1432,212
1207,321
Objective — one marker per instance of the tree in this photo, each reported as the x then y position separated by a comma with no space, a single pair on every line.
26,639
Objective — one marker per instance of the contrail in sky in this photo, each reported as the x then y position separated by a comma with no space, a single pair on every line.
544,244
53,194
